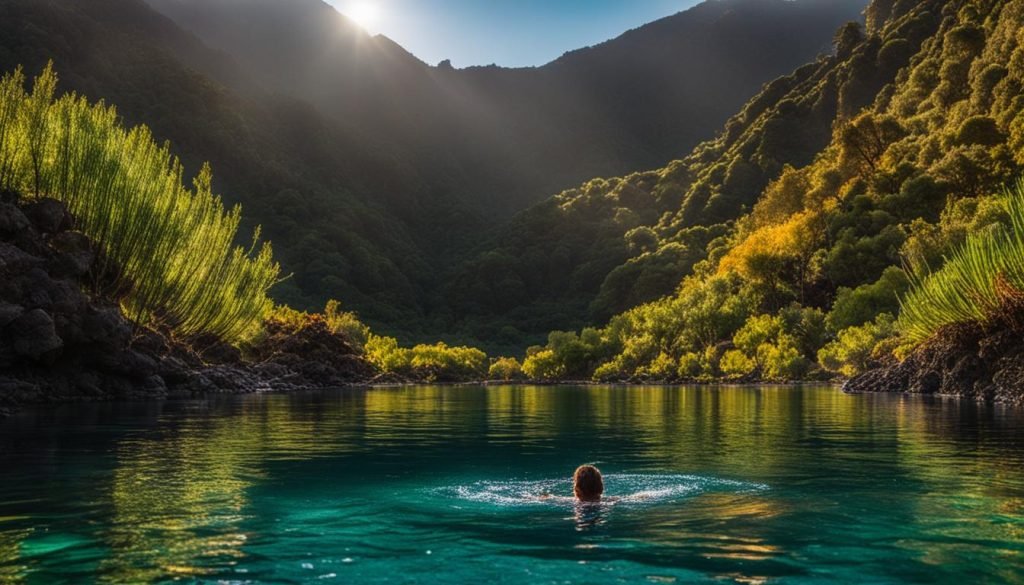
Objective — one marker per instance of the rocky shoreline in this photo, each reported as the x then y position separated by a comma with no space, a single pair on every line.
59,342
966,361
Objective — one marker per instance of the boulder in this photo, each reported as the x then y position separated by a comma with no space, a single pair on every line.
106,328
74,254
14,260
154,387
38,289
15,391
34,336
48,215
89,384
217,352
12,220
67,297
9,312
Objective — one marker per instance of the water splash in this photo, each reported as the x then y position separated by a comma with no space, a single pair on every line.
620,488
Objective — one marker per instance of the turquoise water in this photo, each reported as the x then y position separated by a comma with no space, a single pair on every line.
443,485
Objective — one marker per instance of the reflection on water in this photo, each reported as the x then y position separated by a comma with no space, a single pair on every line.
178,497
743,484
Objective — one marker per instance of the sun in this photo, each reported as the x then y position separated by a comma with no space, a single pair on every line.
365,14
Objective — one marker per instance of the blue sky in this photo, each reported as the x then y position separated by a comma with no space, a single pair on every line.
507,32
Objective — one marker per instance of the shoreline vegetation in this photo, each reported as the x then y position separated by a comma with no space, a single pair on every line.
894,259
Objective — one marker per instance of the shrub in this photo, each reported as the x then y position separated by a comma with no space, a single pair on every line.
385,354
980,130
663,367
689,365
757,331
441,362
172,247
505,369
346,324
981,282
735,364
543,364
641,239
855,307
856,349
782,360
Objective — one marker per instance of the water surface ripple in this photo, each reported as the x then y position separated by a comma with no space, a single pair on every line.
471,484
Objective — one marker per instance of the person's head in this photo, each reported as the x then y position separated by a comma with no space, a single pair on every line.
587,483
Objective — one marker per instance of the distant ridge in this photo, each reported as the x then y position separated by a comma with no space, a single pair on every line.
374,182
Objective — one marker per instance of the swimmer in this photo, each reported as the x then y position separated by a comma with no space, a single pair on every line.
587,487
587,484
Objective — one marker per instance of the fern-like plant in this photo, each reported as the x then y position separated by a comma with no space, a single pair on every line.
981,282
173,247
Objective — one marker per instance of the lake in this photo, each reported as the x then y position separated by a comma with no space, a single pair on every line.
444,485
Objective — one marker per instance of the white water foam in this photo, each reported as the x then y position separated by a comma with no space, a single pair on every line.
620,488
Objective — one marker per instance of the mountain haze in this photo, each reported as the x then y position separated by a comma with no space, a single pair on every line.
503,138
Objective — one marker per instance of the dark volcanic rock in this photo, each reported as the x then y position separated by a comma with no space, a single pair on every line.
57,342
217,352
48,215
12,220
9,313
963,360
74,254
34,336
13,259
313,353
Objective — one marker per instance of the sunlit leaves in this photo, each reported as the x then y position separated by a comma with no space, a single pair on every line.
979,283
169,250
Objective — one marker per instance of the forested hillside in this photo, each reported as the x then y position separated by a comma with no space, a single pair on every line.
612,244
370,201
876,170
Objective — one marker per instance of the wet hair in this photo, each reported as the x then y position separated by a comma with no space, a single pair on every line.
587,483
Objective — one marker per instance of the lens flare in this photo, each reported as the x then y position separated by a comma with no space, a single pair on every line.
365,14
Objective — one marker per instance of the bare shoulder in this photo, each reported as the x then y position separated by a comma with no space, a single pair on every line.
555,499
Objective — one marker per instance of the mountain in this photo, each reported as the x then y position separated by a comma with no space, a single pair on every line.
855,212
504,138
321,190
373,173
611,244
